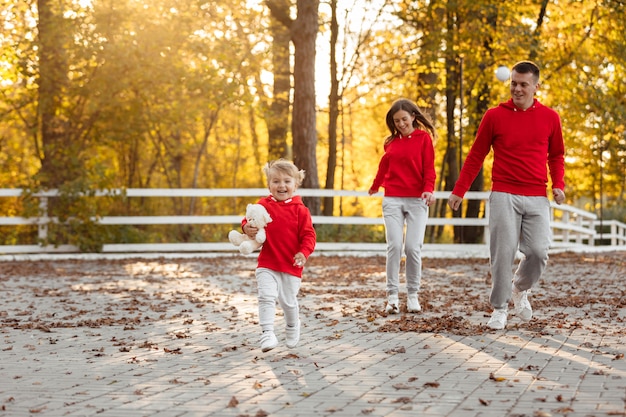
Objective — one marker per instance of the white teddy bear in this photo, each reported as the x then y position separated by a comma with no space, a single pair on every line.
257,216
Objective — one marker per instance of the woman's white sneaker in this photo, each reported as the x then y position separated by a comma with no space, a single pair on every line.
393,304
413,304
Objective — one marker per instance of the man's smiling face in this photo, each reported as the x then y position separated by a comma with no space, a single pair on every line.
523,89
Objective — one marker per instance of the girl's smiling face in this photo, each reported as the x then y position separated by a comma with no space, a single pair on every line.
404,122
282,186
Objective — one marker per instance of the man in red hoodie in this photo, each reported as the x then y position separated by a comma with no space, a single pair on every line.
526,139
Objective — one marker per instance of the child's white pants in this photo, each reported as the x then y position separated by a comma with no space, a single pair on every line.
272,287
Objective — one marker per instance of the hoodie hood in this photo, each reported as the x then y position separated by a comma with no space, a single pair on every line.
510,106
295,199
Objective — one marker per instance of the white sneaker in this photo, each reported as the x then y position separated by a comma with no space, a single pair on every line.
498,319
523,310
393,304
293,335
413,304
268,341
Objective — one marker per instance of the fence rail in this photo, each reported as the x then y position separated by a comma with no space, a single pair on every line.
571,227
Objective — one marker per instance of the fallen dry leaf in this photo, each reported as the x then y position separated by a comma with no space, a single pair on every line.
403,400
496,378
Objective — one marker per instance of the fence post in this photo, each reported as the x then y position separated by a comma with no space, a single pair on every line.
486,236
579,222
42,230
565,219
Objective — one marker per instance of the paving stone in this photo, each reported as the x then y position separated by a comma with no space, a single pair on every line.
179,338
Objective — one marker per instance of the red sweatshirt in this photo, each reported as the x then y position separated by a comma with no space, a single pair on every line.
525,144
290,231
407,169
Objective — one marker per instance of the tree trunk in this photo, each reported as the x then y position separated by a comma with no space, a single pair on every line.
58,165
333,111
474,234
452,149
303,128
277,126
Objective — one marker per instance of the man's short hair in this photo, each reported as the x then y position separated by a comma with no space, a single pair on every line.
524,67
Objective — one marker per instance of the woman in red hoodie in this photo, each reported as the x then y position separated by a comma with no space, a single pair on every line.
407,172
526,139
290,241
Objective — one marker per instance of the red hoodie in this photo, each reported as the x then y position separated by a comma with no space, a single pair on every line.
407,169
525,144
290,231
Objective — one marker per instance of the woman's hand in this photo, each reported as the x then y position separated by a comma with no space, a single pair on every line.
299,260
429,198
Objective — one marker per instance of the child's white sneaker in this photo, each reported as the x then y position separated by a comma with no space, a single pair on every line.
498,319
268,341
393,304
413,304
293,335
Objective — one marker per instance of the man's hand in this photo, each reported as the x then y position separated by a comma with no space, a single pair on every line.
454,202
559,195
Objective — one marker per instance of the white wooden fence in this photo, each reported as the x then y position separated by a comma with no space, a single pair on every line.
571,227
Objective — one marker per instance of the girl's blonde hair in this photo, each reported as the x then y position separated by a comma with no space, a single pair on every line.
286,167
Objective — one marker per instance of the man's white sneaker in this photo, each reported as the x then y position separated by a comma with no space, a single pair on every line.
268,341
393,304
498,319
293,335
523,310
413,304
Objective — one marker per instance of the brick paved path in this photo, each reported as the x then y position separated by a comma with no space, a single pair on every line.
179,337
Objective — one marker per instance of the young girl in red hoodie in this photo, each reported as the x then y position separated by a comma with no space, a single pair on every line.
407,172
290,241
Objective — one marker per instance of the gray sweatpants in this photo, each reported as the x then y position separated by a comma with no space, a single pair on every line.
397,211
522,222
